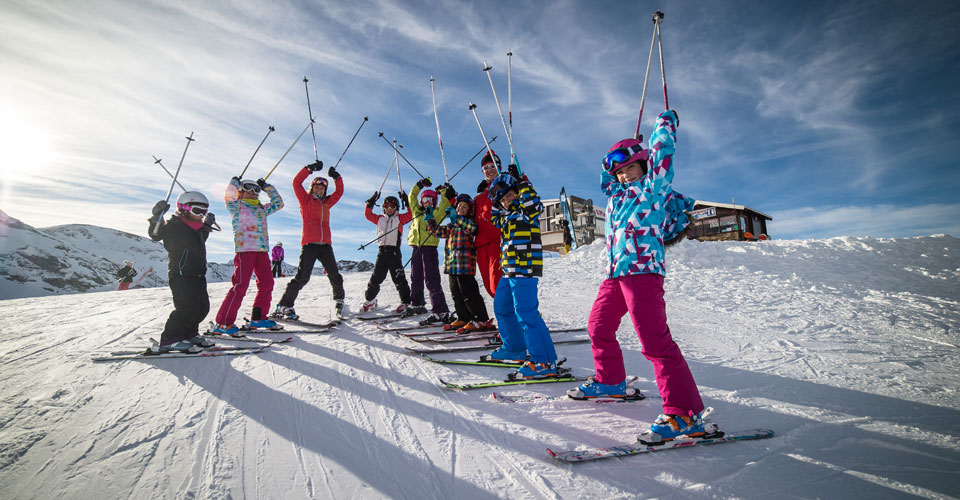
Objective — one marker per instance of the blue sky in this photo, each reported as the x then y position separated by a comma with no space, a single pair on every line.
835,118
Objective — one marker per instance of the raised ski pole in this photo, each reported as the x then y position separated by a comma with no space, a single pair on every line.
156,227
158,162
364,122
509,93
394,162
316,155
486,69
295,141
658,19
482,149
443,158
643,96
270,129
473,108
401,156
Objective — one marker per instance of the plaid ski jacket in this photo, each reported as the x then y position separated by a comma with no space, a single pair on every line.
459,253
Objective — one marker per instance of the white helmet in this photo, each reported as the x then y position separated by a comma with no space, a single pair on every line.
191,198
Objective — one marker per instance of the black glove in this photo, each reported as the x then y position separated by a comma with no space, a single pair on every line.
160,208
235,178
209,219
483,186
403,199
315,166
262,183
425,182
448,192
333,173
372,200
513,170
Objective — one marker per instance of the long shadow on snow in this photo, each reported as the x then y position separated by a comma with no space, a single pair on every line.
327,375
340,448
842,444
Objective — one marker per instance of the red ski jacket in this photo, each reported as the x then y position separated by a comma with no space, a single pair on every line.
315,212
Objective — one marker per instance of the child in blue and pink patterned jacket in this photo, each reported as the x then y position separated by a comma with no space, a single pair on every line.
252,244
638,183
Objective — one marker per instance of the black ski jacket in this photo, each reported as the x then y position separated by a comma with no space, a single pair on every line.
185,246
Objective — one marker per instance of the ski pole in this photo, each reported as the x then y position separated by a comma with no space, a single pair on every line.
394,162
270,129
364,122
156,227
378,238
443,158
482,149
473,108
658,19
316,155
643,95
304,131
487,68
158,162
509,93
401,156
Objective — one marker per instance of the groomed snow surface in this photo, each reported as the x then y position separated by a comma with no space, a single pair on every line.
847,348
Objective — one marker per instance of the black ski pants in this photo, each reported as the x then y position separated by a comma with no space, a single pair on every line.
309,255
190,305
467,300
277,268
389,260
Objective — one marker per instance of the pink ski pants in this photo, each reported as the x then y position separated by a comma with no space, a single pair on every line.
641,296
245,264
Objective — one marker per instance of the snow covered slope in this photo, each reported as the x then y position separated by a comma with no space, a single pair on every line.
846,347
83,258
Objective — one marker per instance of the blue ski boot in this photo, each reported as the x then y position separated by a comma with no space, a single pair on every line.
668,427
506,356
230,329
262,324
531,370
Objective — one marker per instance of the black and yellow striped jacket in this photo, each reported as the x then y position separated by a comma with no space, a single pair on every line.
521,251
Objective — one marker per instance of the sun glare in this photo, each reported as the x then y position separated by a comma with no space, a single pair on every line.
26,149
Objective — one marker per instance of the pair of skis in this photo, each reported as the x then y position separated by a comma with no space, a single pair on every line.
206,353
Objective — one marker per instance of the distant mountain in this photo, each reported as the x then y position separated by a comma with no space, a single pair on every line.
84,258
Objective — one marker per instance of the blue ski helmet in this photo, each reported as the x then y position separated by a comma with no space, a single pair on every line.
500,186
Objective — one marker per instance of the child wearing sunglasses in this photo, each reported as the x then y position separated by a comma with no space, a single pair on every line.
389,259
252,246
516,212
184,236
637,182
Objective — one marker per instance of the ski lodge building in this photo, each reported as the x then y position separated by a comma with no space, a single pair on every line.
587,223
709,221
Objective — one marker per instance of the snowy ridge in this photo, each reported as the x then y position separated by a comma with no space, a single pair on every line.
845,347
83,258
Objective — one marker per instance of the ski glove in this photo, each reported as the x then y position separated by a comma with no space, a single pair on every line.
452,214
333,173
513,170
483,186
262,183
315,166
160,208
209,219
425,182
403,199
372,200
448,192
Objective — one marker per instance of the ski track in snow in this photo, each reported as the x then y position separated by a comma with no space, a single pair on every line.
846,347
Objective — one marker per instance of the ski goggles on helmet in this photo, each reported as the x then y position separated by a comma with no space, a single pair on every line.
250,187
319,180
622,156
198,210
